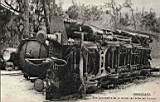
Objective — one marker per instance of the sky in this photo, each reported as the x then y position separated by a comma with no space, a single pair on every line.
137,4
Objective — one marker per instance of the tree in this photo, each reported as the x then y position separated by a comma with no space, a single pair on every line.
26,18
34,13
150,22
115,12
21,7
84,13
124,21
128,4
5,16
73,12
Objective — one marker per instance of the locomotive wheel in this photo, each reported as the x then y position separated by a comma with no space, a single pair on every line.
92,89
85,90
39,85
87,86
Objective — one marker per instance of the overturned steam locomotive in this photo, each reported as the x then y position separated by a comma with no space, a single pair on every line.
82,57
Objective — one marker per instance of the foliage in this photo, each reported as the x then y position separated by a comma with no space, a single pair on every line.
114,10
84,13
150,22
124,21
5,16
73,12
133,20
41,12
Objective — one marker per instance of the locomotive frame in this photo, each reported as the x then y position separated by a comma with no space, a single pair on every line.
91,59
94,65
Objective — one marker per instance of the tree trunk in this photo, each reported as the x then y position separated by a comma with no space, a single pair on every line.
46,14
26,18
49,11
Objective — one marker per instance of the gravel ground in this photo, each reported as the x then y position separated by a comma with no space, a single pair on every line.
144,91
155,63
14,88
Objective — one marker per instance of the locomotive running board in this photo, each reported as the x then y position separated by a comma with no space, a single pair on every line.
99,76
105,75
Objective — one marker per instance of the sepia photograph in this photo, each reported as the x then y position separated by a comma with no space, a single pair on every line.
80,50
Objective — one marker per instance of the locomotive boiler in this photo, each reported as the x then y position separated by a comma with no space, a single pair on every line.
91,58
31,56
